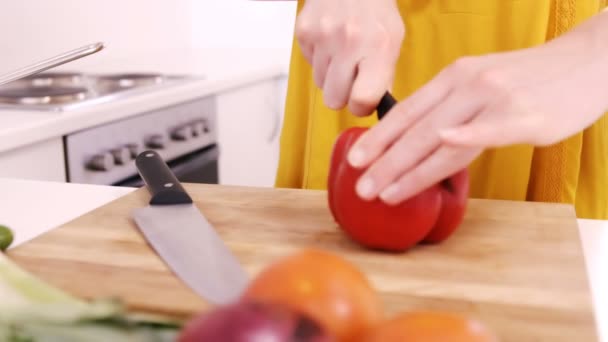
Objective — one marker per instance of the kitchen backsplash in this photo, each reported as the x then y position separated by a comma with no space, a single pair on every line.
156,32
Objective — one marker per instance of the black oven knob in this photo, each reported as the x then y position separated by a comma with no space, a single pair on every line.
182,133
133,149
155,141
121,155
101,162
199,127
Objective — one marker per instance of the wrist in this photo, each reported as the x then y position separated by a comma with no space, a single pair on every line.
593,35
585,53
595,32
584,47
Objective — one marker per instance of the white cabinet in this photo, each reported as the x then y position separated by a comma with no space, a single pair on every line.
249,126
41,161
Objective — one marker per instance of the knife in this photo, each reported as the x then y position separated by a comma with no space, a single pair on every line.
183,237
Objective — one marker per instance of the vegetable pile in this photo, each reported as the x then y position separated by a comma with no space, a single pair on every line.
308,296
430,216
317,296
32,311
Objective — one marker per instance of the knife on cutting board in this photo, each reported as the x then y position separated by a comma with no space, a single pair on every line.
183,237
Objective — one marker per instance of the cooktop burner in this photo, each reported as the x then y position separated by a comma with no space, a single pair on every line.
48,79
63,90
120,81
42,95
131,76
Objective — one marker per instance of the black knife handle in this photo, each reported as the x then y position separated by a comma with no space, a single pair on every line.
386,104
160,180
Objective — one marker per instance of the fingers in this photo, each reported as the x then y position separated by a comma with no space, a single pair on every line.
320,64
415,143
496,127
374,77
306,50
473,134
352,48
304,32
376,140
339,79
446,161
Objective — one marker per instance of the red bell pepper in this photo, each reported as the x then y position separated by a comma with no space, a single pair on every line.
431,216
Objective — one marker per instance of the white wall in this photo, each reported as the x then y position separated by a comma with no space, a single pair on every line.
34,29
244,23
152,31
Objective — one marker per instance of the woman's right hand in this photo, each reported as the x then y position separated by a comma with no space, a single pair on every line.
353,47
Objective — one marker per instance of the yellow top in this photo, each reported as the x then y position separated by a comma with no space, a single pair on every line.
437,32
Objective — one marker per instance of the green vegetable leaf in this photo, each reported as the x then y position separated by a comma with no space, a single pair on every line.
33,311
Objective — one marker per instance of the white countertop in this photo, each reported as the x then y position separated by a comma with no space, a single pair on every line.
219,70
24,206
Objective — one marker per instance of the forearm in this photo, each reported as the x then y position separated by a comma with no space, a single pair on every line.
591,38
594,34
583,56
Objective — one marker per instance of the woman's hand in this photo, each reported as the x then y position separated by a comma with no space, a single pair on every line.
536,96
353,47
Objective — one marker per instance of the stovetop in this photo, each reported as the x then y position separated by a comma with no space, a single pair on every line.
62,91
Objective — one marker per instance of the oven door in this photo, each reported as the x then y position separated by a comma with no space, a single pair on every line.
196,167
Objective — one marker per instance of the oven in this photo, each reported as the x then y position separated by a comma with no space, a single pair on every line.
183,134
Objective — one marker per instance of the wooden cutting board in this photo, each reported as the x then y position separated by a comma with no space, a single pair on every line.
516,266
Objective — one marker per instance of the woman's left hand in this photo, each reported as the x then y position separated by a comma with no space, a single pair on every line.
537,96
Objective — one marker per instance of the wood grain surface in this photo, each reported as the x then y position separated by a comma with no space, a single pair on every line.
518,267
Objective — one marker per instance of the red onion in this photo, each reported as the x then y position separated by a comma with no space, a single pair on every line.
252,322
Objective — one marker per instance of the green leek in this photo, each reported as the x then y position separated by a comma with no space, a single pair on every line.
33,311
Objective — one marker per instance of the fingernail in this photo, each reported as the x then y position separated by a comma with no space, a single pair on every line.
390,194
356,157
366,187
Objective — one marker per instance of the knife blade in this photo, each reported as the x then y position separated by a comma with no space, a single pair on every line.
183,237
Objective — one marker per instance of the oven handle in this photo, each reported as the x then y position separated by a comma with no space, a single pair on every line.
277,107
275,123
186,164
181,166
